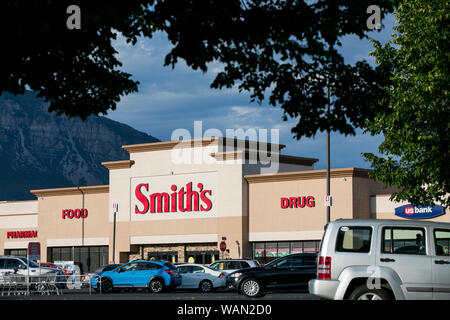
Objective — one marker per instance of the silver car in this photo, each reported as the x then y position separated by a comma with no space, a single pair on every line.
383,259
197,276
228,266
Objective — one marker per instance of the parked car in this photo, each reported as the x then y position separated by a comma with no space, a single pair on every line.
21,266
154,275
228,266
197,276
289,272
86,277
54,266
383,259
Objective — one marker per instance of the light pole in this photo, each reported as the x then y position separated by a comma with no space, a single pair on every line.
114,239
115,209
328,153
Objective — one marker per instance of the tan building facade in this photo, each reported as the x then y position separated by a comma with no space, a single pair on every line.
179,200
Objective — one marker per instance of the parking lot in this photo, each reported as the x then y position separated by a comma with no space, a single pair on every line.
86,294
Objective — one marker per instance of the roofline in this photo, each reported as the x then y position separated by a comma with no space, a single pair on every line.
192,143
307,175
70,191
393,221
239,154
122,164
15,201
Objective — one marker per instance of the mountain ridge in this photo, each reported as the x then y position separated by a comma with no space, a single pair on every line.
39,149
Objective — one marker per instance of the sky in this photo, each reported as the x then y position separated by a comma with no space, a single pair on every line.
170,99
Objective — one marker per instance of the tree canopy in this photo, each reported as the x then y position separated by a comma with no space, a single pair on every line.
282,51
415,117
285,52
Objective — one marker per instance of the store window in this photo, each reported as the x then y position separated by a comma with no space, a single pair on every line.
16,252
310,246
171,256
297,247
283,249
202,257
258,251
271,250
264,252
87,258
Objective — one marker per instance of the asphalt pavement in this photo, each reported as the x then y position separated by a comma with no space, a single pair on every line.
86,294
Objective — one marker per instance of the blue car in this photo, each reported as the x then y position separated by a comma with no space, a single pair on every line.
157,276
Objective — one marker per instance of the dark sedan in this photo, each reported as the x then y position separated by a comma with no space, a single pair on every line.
289,272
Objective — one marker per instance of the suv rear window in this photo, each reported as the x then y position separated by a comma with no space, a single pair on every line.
354,239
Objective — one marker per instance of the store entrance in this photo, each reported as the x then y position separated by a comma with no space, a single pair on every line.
202,257
171,256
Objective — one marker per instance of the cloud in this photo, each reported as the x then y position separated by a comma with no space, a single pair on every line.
171,98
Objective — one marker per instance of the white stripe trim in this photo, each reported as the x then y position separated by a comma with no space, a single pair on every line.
186,238
285,236
19,208
77,242
12,222
16,245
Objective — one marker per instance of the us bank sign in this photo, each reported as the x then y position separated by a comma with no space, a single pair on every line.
409,211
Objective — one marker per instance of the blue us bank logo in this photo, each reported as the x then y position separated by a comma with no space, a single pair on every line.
409,211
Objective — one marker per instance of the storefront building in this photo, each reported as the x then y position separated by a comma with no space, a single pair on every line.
178,201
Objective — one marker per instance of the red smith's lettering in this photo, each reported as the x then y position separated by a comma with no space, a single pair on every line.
183,200
297,202
21,234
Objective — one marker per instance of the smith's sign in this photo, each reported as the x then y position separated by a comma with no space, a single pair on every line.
188,198
409,211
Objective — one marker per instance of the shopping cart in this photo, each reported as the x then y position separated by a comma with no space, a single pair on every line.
14,284
44,284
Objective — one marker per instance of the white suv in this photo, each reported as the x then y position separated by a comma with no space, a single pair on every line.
383,259
21,266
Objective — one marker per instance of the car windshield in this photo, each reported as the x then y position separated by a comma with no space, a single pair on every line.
30,263
273,262
208,268
214,266
109,268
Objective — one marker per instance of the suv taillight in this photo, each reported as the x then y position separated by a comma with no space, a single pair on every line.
221,275
168,271
324,268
